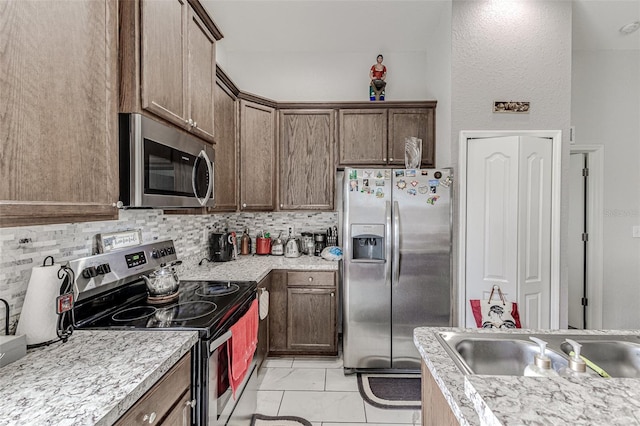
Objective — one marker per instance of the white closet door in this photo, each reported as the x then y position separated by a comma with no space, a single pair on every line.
491,217
534,232
508,224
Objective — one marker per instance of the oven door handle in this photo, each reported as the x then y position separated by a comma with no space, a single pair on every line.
219,341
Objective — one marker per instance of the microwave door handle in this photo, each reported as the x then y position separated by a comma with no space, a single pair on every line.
204,200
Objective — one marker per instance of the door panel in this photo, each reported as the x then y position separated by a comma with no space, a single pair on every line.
576,245
534,236
492,185
422,294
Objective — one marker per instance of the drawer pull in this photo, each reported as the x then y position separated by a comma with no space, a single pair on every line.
310,279
150,418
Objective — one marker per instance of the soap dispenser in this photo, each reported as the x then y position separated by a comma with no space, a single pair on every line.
541,366
577,367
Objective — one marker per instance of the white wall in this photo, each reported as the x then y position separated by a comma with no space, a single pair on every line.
606,111
413,36
513,50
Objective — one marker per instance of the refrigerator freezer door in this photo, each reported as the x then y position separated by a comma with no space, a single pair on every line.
367,285
421,294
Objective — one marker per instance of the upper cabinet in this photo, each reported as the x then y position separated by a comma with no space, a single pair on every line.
257,156
226,131
168,68
374,134
407,122
58,115
363,136
307,167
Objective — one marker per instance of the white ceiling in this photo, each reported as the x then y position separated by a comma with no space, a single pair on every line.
398,25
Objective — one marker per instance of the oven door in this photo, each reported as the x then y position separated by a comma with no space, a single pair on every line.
220,405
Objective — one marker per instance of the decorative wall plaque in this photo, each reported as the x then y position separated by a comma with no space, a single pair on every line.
510,106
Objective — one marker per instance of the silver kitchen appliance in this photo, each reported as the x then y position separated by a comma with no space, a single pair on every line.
111,294
397,263
161,166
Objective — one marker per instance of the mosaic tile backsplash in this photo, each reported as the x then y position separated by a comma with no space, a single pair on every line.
23,248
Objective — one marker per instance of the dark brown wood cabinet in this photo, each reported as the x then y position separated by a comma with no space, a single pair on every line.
257,156
278,312
58,115
407,122
167,62
307,169
226,161
304,321
375,136
363,137
168,402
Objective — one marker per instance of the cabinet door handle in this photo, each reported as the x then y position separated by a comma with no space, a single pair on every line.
244,205
332,294
191,403
149,418
390,159
384,158
195,124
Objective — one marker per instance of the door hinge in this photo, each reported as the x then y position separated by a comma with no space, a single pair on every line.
585,237
585,301
585,172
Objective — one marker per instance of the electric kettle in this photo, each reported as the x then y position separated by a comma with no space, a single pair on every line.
293,248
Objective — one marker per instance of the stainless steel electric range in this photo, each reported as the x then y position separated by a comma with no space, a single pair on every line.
110,294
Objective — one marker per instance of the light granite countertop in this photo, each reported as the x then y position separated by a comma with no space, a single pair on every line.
92,379
519,400
251,267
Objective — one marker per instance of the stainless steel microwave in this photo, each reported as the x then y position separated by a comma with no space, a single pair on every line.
163,167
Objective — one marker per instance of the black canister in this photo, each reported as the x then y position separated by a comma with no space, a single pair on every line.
320,242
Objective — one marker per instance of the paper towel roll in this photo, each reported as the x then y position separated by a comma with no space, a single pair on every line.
38,318
264,304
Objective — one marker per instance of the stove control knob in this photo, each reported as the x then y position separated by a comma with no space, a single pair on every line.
90,272
155,254
103,269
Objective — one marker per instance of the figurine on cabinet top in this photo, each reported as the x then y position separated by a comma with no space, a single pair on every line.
377,75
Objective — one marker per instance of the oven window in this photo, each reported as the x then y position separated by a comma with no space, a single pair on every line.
167,171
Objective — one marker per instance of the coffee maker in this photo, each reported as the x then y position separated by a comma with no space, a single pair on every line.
220,246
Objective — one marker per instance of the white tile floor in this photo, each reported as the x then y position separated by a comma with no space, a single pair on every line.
317,389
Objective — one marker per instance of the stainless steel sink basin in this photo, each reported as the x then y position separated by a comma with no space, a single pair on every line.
509,353
617,358
501,355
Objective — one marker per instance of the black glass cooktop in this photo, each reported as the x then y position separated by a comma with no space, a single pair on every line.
201,305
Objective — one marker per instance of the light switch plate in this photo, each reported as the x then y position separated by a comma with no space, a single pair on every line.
636,232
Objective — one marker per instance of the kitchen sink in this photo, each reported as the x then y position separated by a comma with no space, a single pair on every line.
509,353
495,354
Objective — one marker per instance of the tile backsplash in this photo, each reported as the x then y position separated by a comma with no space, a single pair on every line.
22,248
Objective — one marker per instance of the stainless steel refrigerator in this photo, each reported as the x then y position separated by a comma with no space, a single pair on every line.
396,263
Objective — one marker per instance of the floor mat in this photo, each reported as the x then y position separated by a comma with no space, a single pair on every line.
261,420
391,390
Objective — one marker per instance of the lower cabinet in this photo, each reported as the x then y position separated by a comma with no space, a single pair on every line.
168,402
435,408
303,313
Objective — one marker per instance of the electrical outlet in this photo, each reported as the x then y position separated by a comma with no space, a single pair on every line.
636,232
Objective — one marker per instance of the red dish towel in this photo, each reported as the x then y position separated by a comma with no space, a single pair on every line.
242,346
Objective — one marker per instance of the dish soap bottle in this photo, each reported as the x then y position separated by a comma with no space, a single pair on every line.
541,366
577,367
